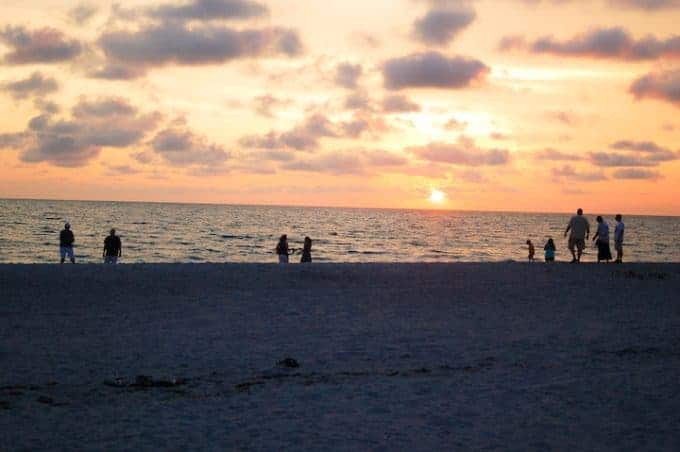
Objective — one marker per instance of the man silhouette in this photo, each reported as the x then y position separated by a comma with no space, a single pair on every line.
580,231
113,249
66,240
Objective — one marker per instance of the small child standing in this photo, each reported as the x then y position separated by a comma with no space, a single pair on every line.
549,251
307,251
532,250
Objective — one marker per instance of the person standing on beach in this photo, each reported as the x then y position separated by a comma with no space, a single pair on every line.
601,239
532,250
113,248
618,238
549,249
306,251
282,249
580,231
66,239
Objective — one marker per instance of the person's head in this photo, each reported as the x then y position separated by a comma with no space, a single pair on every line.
308,242
528,242
112,232
618,217
599,219
550,241
579,211
283,238
67,226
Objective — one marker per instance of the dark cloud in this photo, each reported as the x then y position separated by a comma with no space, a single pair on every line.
399,104
357,100
171,42
74,142
347,75
46,106
615,42
44,45
649,5
210,10
181,147
432,70
440,26
614,159
568,172
554,155
36,85
103,107
117,72
511,42
12,140
639,146
363,122
662,85
81,14
636,173
346,162
464,153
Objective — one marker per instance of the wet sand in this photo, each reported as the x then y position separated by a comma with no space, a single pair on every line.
391,356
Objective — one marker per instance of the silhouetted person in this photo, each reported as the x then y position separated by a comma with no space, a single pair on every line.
282,249
66,240
306,251
532,251
113,248
549,249
618,238
580,230
601,239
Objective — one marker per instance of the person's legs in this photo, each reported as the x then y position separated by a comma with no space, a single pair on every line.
62,253
283,258
580,244
619,252
71,256
572,245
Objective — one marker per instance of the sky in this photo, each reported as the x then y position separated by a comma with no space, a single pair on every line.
507,105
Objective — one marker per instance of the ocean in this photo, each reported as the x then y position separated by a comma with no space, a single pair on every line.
163,232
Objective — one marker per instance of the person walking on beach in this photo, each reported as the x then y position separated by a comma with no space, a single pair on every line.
580,230
113,248
66,239
306,251
282,249
601,239
549,249
618,238
532,251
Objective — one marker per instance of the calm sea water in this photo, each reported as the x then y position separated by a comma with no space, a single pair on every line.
155,232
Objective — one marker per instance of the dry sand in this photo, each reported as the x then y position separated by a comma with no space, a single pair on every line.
392,356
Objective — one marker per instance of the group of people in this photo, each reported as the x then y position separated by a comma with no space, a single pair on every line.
113,247
283,250
579,231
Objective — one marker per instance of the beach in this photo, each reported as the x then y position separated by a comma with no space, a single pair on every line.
428,356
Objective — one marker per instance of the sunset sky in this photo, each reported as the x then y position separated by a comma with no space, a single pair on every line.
529,105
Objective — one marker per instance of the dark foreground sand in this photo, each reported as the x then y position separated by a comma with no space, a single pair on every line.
392,357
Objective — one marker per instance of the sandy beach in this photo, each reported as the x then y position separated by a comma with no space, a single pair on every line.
503,356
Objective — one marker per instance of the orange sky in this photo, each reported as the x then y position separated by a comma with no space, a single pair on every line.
531,105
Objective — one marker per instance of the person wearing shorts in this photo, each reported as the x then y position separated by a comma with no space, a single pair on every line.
66,239
579,230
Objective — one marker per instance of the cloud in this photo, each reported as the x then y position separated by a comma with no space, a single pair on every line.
210,10
455,124
347,75
118,170
112,71
635,173
179,146
103,107
266,103
563,117
616,159
432,70
399,104
12,140
303,137
440,26
464,153
35,85
177,43
357,100
346,162
661,85
568,172
74,142
46,106
649,5
555,155
639,146
81,14
614,42
43,45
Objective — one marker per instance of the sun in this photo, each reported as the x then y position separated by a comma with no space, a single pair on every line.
437,196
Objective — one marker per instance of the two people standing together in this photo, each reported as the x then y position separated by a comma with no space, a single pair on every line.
113,248
579,231
283,251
